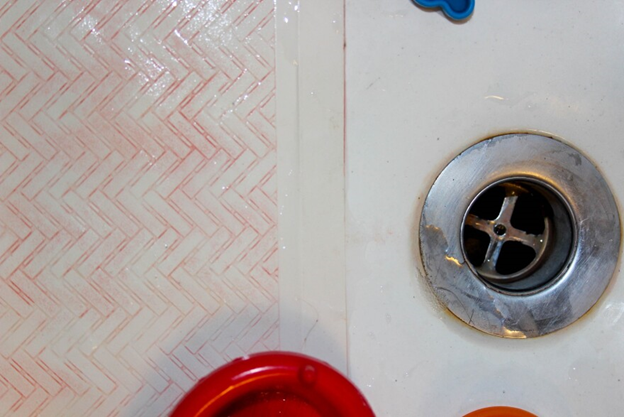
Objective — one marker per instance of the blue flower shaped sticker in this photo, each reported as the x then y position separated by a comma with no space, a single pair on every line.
454,9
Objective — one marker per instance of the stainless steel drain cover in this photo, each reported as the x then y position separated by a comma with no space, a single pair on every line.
519,235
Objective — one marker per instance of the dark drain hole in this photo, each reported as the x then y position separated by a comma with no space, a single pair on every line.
476,243
528,229
488,205
531,208
514,257
530,212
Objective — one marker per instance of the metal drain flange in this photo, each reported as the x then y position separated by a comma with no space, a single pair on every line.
519,235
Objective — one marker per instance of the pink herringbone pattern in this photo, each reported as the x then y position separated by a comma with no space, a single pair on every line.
137,200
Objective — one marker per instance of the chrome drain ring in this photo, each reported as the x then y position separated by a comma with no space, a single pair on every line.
578,277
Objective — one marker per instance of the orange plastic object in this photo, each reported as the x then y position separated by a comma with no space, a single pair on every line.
274,384
500,412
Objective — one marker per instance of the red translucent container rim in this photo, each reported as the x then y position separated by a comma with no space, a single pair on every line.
311,380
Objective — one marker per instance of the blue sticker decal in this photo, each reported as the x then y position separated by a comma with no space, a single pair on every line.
455,9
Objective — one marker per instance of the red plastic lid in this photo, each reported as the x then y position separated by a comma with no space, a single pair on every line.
270,384
500,412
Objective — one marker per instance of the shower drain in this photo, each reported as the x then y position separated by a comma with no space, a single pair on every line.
519,235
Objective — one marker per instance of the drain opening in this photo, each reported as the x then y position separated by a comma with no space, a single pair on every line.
518,255
517,235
